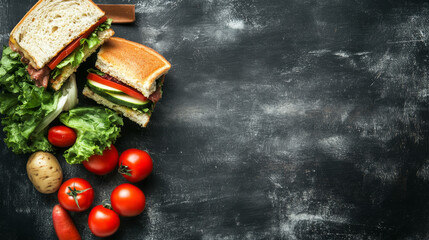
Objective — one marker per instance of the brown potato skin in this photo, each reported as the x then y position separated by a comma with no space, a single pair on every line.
45,172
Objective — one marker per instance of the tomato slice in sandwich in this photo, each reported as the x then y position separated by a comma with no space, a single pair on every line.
129,91
73,45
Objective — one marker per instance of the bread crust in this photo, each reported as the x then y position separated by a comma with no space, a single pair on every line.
12,40
134,64
138,117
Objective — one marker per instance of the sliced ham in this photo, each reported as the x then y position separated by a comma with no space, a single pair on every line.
39,76
155,96
110,78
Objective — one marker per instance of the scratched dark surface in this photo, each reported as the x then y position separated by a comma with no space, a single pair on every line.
280,120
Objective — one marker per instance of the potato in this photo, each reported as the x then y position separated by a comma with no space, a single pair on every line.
44,172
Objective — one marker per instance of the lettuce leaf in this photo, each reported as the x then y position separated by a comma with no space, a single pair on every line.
104,26
24,106
92,40
76,57
97,128
96,71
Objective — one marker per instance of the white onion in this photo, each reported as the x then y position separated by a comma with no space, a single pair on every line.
66,102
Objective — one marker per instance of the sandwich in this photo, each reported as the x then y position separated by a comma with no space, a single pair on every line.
128,79
56,36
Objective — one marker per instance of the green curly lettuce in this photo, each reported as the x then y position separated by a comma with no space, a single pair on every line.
23,105
97,128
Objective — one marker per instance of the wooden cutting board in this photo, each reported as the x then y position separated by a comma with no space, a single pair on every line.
120,13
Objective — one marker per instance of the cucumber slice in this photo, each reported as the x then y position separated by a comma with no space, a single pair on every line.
104,88
122,99
128,101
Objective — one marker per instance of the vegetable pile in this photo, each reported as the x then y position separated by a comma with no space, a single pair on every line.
24,106
126,200
88,134
97,128
28,110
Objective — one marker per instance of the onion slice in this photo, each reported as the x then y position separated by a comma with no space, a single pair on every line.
66,102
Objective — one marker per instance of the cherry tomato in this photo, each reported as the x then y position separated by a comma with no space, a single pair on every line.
103,164
103,221
135,165
76,194
127,200
61,136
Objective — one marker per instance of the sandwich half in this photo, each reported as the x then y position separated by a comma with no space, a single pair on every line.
55,36
129,79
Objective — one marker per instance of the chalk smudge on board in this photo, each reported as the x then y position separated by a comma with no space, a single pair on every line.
336,146
221,23
158,7
289,108
423,171
319,52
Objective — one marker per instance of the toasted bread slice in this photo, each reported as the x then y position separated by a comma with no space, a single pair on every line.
140,118
50,25
69,69
134,64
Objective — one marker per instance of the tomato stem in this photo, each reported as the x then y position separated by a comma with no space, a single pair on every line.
107,205
124,169
74,192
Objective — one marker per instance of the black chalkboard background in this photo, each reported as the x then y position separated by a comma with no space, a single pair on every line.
297,119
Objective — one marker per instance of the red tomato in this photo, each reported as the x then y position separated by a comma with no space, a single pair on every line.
103,164
102,221
131,92
135,165
127,200
76,194
61,136
73,45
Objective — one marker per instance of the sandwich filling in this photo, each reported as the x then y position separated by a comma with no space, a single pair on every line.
72,55
119,93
